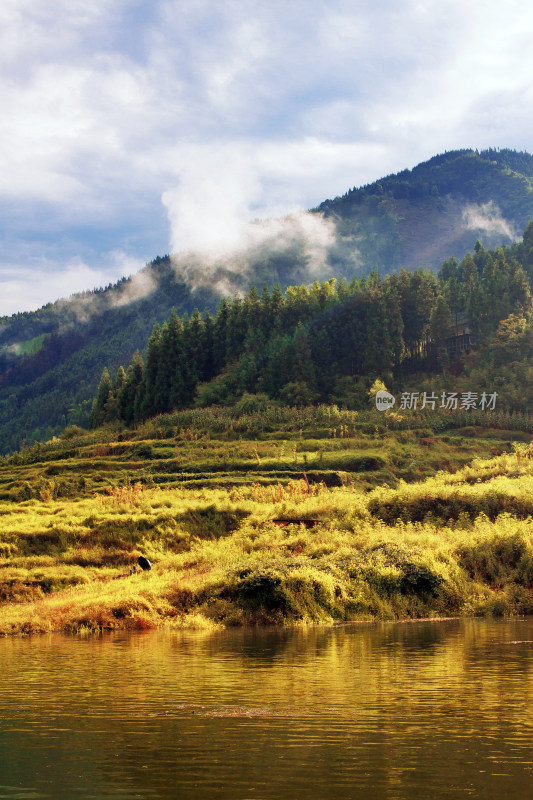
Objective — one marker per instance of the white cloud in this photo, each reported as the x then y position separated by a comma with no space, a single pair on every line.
488,218
315,233
216,189
28,288
222,188
141,285
210,209
231,111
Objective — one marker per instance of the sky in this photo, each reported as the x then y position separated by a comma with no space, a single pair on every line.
135,128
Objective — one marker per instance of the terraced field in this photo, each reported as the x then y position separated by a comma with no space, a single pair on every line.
314,515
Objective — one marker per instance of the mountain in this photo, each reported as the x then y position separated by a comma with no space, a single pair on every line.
436,210
51,359
336,343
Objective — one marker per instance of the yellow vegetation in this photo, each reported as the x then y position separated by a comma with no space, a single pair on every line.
458,542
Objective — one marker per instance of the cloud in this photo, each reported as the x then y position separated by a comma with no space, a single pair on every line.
90,122
140,285
28,288
212,201
227,269
488,218
229,112
220,189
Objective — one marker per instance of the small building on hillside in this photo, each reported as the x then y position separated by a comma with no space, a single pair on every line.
461,340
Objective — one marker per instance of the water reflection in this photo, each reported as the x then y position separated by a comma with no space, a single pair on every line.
396,710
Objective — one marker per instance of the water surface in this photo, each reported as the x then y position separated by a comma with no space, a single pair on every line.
399,711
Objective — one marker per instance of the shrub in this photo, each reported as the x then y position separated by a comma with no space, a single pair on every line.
143,450
210,522
261,590
252,403
502,559
72,432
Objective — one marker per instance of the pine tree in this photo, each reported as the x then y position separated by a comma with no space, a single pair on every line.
165,369
220,336
439,329
416,292
120,380
105,389
148,402
474,300
208,345
277,303
236,330
179,378
193,354
130,395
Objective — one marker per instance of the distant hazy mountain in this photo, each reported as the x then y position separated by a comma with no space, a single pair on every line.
438,209
51,359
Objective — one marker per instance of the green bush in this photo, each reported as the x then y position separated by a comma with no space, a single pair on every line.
252,403
261,590
499,561
210,522
143,450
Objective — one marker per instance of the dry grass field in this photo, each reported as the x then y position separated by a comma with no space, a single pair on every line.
316,516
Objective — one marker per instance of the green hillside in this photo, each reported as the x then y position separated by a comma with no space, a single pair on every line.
470,329
51,359
44,390
436,210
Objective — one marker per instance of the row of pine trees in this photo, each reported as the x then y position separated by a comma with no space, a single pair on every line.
308,345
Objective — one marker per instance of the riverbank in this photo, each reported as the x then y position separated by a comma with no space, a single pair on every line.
285,551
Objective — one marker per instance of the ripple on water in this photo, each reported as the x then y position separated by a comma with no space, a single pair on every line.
395,711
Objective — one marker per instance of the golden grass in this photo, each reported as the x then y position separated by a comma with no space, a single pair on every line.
454,543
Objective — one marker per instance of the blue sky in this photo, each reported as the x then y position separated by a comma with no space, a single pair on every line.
130,129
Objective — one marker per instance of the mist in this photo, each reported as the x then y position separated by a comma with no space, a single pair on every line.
81,307
488,218
227,265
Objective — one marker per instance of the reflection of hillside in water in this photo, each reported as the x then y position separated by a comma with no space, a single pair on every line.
404,710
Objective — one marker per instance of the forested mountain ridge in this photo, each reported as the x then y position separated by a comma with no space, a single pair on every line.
43,391
438,209
329,342
51,359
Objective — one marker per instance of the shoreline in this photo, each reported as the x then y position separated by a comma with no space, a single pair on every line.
265,628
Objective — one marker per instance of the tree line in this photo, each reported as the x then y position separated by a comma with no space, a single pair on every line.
321,343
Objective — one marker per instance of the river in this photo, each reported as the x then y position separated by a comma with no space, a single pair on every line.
396,711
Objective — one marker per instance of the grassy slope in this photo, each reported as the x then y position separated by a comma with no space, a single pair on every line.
405,527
